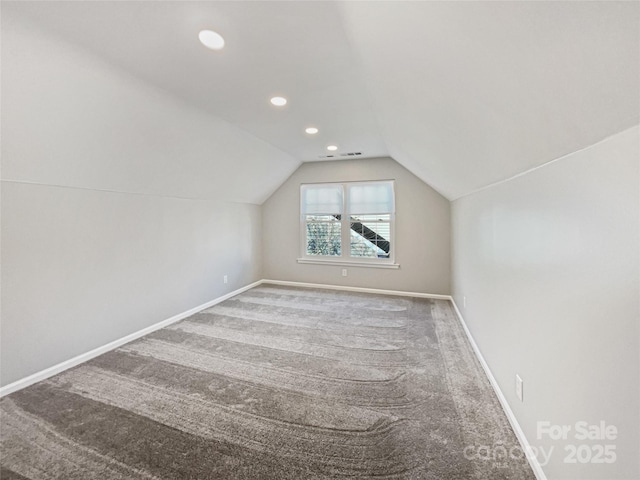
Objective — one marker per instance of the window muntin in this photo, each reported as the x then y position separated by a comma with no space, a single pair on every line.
350,221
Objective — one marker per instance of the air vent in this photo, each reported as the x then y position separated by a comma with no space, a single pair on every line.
348,154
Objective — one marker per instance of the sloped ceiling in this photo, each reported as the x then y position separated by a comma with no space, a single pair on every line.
463,94
470,93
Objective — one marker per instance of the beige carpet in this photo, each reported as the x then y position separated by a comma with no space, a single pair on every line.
275,383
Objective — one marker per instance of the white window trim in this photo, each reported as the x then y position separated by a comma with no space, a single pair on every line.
346,260
343,263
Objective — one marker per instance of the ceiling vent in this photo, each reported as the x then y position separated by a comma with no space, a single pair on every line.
349,154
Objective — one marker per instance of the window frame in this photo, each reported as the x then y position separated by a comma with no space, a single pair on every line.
345,259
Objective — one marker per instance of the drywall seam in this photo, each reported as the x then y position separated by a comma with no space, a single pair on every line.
526,172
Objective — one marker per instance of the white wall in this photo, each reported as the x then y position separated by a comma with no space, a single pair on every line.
121,206
81,268
549,265
422,229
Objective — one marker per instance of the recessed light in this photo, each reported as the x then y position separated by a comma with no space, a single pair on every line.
279,101
311,130
332,148
211,39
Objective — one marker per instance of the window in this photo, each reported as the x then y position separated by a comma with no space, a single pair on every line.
348,223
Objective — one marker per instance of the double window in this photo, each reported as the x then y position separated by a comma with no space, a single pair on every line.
348,222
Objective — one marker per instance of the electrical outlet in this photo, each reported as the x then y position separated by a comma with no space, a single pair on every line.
464,302
225,279
519,387
344,272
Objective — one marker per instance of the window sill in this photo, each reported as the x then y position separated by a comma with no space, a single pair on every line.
344,263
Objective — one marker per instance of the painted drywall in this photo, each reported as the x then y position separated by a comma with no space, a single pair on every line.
96,240
469,93
549,265
81,268
69,118
422,230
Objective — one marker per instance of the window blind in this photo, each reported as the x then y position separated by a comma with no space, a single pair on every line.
370,198
321,199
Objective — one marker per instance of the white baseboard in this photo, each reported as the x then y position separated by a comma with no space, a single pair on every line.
526,446
72,362
60,367
357,289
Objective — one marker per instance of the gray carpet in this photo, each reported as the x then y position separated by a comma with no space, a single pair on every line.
275,383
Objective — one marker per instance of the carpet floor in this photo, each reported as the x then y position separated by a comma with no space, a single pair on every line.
275,383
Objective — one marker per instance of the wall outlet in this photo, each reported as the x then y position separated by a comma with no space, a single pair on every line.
344,272
464,302
519,387
225,279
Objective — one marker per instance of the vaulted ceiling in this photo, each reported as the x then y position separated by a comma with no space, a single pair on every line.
463,94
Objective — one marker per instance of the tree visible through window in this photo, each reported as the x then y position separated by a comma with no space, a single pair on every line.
323,235
348,221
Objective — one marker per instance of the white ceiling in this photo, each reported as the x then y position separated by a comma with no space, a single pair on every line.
470,93
463,94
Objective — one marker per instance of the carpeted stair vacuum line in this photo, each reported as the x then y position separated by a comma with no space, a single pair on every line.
275,383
